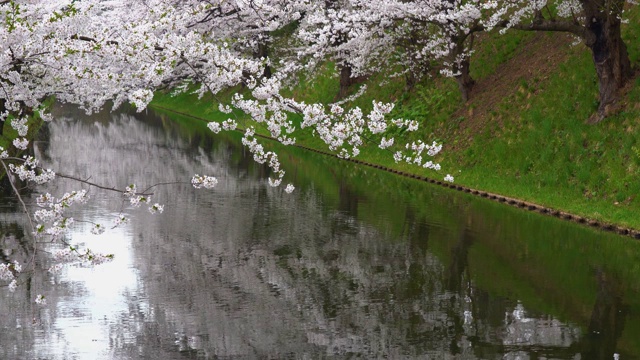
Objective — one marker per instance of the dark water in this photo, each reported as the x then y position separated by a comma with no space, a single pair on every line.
355,263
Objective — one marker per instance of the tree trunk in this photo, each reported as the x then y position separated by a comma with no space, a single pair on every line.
459,57
464,79
417,67
345,81
263,53
410,81
609,52
2,109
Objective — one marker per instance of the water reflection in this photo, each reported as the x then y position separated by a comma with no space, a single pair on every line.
607,319
247,271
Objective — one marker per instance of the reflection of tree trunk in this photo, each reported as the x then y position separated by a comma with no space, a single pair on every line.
607,321
348,199
5,186
418,232
459,262
453,281
419,240
16,233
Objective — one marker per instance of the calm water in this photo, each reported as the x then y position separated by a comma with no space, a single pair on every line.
355,263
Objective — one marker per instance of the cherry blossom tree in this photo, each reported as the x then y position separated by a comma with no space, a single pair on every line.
250,25
364,37
346,33
441,31
597,23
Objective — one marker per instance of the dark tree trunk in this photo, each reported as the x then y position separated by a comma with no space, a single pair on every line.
417,68
410,81
345,81
464,79
609,52
2,109
462,64
263,53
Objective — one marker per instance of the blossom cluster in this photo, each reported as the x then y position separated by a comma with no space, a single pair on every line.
51,218
29,171
135,200
70,254
198,182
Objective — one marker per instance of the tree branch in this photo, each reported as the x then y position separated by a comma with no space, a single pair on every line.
99,186
549,25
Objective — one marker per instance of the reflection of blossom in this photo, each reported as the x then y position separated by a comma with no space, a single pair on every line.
13,285
519,314
468,317
521,328
54,269
244,261
7,270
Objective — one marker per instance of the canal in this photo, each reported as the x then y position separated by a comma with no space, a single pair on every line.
355,263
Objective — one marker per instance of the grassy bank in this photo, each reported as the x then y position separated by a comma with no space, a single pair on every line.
522,134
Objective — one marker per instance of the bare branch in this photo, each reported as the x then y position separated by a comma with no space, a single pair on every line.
549,25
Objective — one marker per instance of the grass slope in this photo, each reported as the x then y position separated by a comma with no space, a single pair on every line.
522,134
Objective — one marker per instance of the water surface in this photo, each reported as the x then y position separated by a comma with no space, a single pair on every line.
356,263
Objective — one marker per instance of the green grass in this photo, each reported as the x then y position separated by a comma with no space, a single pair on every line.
493,49
547,154
535,144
